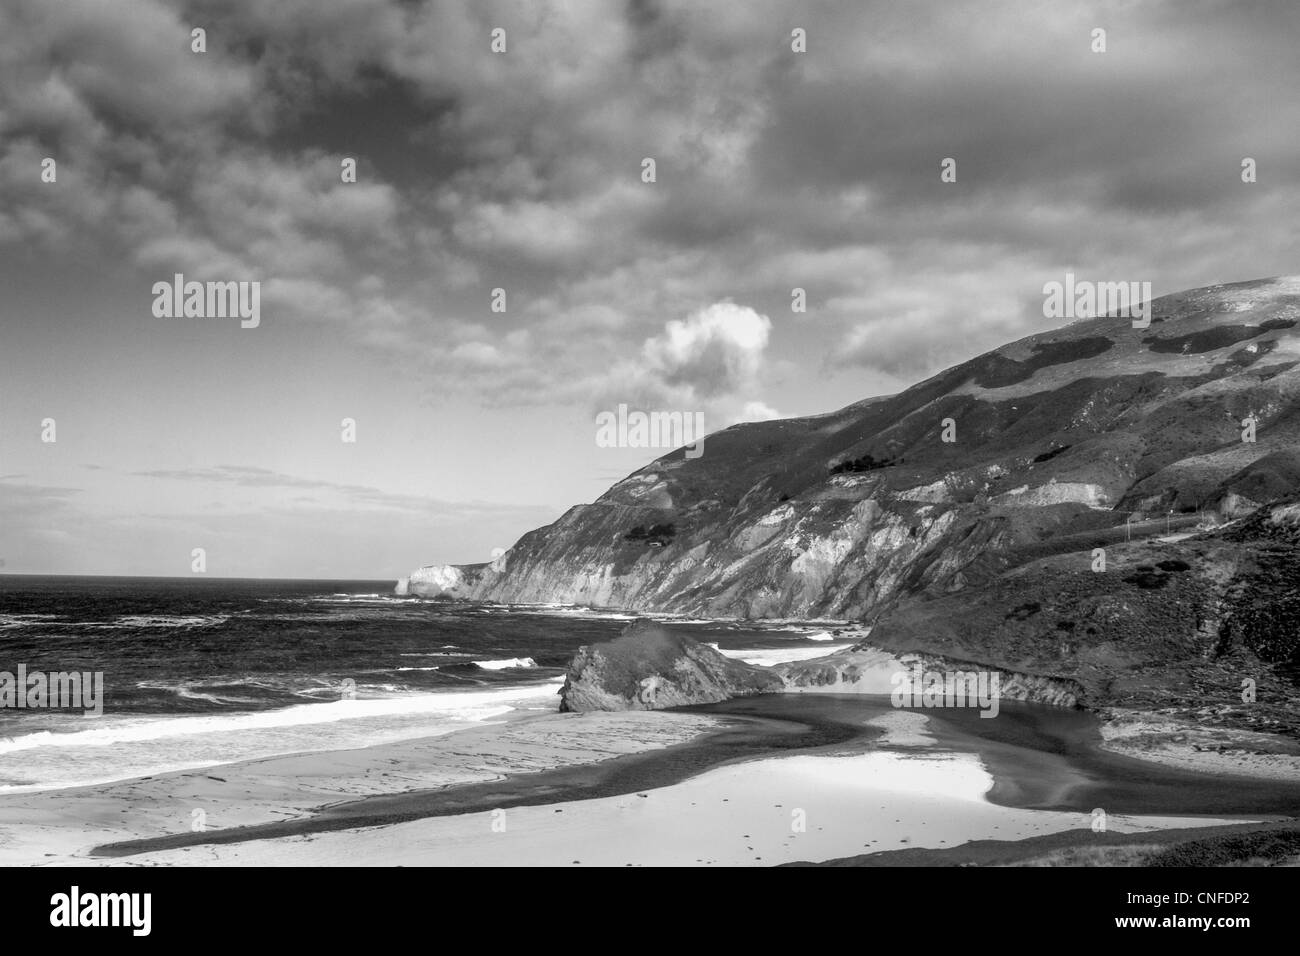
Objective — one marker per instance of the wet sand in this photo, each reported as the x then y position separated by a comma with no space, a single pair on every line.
1040,758
744,734
54,827
1051,759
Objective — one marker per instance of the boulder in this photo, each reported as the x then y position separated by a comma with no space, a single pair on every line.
441,581
652,667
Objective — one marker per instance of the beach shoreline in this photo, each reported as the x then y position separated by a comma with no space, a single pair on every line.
863,776
61,826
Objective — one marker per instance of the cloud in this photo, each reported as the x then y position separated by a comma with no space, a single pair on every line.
714,351
130,61
948,314
340,531
776,170
19,493
758,412
358,495
521,171
31,517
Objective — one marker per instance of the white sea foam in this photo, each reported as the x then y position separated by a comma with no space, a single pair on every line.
470,705
129,621
117,748
507,663
168,620
569,610
27,620
135,621
190,690
380,599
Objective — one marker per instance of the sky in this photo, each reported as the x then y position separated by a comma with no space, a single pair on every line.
523,170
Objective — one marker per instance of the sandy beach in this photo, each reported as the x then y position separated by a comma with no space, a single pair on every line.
824,778
761,813
53,827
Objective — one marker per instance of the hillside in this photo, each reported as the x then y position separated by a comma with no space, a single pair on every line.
1183,626
1060,440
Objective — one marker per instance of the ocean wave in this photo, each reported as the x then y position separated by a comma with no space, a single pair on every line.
562,610
126,622
243,689
471,705
121,748
193,693
509,662
366,599
167,620
28,620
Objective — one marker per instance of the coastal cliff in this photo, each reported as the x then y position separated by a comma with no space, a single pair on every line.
1091,433
1108,512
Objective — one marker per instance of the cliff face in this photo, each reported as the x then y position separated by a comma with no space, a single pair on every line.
1059,438
1205,626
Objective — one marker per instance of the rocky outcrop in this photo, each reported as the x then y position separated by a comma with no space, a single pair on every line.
442,581
650,667
1090,433
1205,627
865,669
860,669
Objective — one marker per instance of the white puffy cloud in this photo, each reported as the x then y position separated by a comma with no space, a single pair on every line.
757,412
713,352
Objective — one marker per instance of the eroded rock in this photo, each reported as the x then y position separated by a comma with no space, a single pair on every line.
651,667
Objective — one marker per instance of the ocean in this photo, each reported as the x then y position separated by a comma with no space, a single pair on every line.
200,672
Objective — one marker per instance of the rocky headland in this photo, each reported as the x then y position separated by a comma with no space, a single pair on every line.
1107,516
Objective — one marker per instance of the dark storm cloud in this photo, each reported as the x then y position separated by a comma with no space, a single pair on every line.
775,169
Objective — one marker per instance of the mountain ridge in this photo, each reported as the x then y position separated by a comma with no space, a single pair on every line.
842,515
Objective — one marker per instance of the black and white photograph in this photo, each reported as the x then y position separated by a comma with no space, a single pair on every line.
651,434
